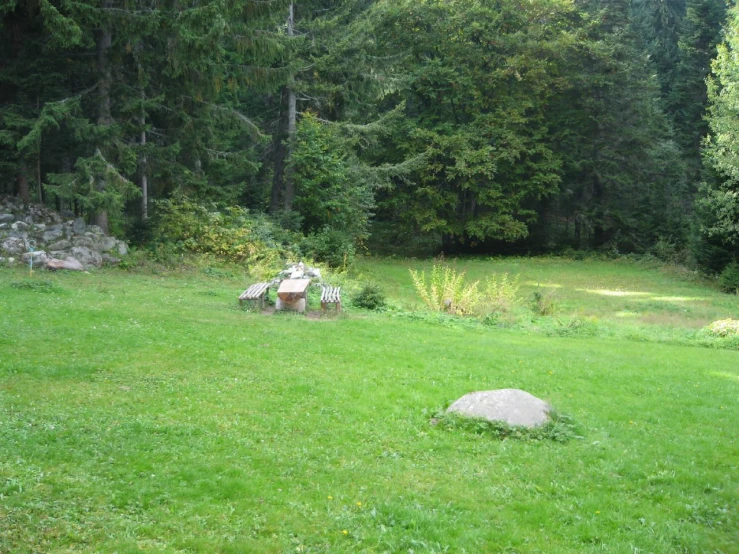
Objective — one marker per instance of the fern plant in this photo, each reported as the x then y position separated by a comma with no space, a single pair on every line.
447,290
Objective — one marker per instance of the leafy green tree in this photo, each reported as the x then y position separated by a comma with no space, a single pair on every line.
719,203
330,189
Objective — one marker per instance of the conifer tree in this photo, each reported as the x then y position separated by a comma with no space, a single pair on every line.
475,80
658,26
700,34
161,102
622,168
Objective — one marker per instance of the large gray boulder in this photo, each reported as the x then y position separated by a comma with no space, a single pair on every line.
60,245
122,248
79,226
88,258
106,243
52,234
39,258
87,242
15,246
7,218
511,406
69,263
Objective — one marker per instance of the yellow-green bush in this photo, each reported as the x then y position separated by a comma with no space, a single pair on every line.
231,233
724,328
447,290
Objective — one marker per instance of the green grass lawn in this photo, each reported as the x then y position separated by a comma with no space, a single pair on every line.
148,413
620,292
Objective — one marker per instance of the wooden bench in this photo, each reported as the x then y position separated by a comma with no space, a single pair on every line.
331,295
256,293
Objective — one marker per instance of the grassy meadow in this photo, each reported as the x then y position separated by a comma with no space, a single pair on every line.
144,412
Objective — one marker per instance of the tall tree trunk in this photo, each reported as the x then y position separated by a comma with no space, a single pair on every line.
104,42
66,168
24,192
144,180
291,121
38,161
280,151
38,179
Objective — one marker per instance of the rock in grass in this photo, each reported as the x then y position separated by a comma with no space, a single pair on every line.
511,406
88,258
39,258
69,263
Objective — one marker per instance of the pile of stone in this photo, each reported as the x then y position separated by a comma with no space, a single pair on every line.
54,240
297,271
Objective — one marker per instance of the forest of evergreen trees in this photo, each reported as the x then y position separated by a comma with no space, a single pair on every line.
493,126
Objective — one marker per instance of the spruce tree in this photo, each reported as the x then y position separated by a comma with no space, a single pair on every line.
700,34
622,168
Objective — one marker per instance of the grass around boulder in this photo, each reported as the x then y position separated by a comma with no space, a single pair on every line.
148,413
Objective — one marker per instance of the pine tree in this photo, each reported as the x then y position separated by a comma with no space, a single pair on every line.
622,168
700,33
159,107
658,26
475,81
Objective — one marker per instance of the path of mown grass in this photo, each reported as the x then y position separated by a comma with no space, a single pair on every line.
143,413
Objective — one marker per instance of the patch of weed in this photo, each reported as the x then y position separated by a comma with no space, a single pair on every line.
559,428
575,327
544,302
218,273
208,293
36,286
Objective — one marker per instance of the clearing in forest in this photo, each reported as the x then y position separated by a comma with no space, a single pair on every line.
149,413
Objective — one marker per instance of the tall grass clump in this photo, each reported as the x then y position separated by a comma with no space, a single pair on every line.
447,290
500,294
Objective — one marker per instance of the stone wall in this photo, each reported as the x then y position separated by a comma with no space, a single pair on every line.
59,240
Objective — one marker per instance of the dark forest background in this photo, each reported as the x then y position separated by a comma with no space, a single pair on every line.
410,126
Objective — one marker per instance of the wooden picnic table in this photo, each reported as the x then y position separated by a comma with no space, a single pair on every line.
293,294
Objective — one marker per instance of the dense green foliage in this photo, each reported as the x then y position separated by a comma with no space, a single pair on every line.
370,297
467,125
729,278
720,201
231,233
